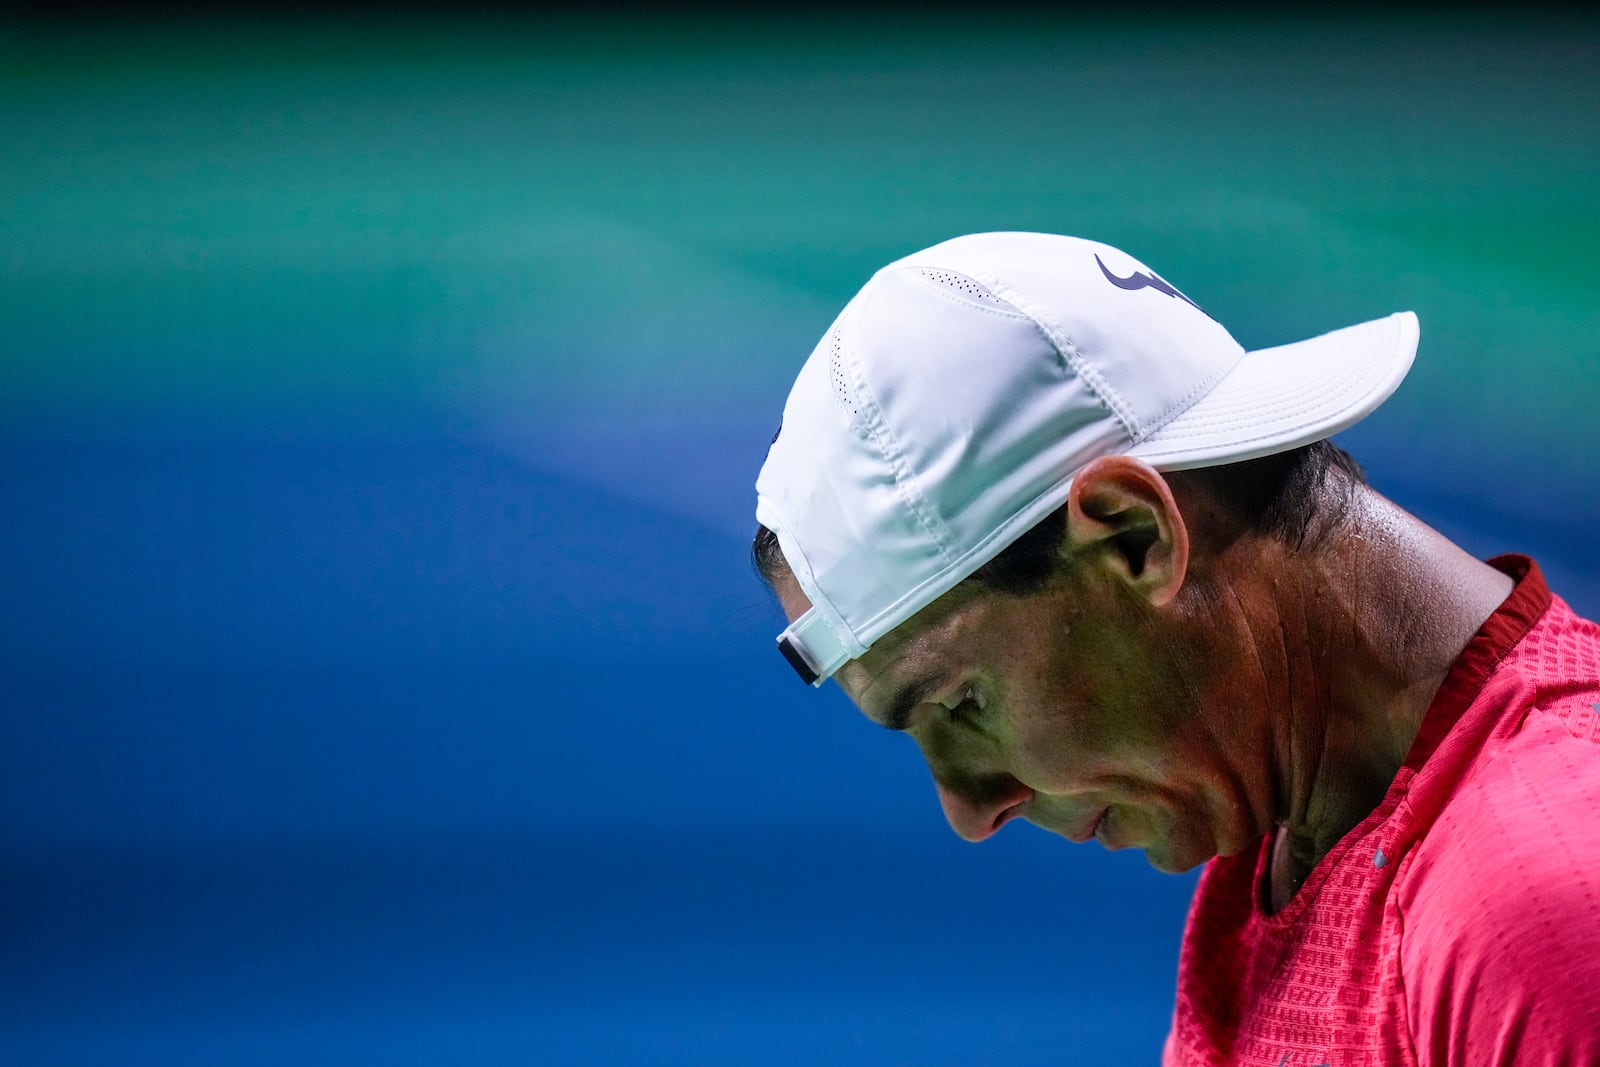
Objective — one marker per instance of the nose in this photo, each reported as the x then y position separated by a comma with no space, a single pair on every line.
976,809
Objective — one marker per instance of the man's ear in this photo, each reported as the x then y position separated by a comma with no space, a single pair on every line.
1121,516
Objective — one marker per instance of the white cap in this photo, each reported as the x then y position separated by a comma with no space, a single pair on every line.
955,397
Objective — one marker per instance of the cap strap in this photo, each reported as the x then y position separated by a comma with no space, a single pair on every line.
812,648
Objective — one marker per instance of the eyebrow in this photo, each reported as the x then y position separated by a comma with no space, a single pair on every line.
906,700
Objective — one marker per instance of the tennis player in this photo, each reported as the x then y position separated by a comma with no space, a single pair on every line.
1033,506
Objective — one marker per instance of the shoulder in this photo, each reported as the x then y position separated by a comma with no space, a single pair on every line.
1501,905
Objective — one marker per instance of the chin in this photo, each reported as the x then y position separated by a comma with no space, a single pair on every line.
1173,865
1171,857
1170,864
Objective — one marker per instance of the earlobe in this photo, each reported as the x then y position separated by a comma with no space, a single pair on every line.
1121,513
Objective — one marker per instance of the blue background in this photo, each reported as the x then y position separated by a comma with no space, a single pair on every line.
384,679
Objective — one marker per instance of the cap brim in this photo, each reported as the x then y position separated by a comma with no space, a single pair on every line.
1280,398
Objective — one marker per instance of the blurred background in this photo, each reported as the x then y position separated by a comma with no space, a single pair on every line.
382,677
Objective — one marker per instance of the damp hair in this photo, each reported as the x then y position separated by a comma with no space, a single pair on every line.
1299,497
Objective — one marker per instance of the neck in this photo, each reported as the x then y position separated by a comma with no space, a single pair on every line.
1365,631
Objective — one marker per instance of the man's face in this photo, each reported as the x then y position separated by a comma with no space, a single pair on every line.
1074,708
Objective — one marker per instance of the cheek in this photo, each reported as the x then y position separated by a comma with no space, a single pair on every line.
1117,727
1065,745
1097,702
1044,764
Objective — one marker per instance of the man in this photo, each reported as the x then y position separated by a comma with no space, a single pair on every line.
1033,506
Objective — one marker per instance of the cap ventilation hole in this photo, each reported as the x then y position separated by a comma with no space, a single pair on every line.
842,390
966,288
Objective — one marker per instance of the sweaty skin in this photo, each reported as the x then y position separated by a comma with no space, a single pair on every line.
1183,685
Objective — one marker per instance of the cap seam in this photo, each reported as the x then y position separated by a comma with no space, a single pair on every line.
889,448
1192,397
1032,511
1241,445
1331,389
1068,351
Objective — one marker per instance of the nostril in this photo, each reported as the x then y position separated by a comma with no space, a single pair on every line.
1013,811
977,811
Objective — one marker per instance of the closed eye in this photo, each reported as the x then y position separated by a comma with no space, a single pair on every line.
966,712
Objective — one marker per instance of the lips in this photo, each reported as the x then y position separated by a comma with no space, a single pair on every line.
1088,829
1110,832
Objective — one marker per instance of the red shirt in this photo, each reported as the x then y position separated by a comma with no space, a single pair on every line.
1459,923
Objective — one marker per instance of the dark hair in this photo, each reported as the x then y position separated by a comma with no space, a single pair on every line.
1289,496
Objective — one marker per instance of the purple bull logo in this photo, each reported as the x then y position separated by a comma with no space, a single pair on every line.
1140,280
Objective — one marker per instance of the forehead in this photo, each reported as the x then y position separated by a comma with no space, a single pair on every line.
928,644
790,596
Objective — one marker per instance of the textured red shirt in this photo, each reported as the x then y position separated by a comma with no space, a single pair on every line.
1459,923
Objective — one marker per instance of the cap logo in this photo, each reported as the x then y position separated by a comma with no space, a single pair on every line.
1140,280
